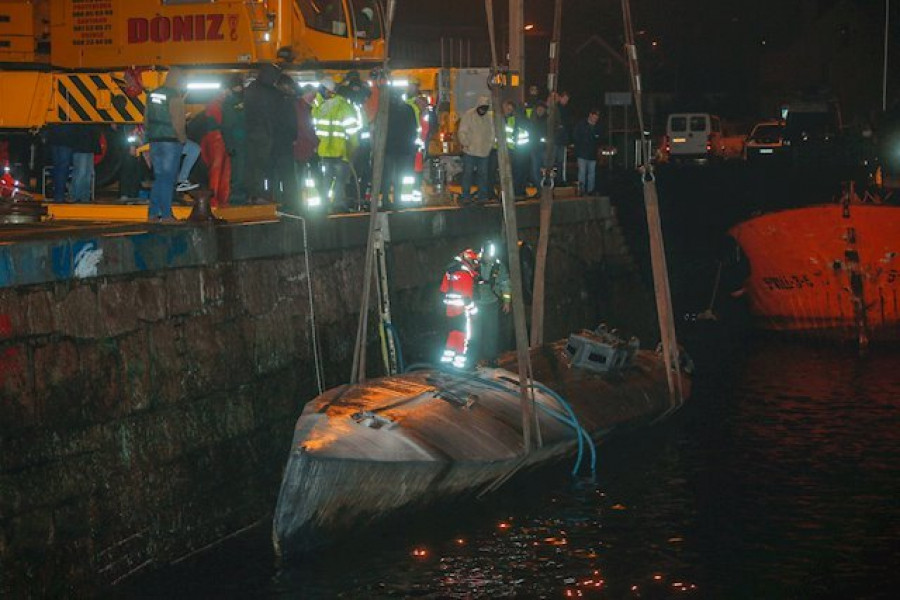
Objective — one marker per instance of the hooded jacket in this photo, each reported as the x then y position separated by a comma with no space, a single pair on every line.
476,133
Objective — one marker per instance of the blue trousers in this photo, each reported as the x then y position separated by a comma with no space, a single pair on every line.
82,176
587,170
474,166
191,153
62,162
165,157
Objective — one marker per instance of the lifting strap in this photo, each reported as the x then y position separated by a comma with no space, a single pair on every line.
669,342
546,185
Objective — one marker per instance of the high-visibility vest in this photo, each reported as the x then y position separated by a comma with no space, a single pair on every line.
415,107
337,125
516,137
420,139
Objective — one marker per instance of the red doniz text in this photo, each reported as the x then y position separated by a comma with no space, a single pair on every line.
188,28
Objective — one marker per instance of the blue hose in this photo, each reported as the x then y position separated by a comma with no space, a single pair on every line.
571,420
580,429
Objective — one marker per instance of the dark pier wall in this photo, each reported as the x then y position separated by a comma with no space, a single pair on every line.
150,379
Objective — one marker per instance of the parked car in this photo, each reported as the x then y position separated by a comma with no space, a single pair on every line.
767,142
814,127
694,136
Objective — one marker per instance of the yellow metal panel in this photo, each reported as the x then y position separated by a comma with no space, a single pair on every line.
150,32
136,213
16,32
24,99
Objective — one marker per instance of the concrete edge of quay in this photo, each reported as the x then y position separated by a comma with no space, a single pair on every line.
86,251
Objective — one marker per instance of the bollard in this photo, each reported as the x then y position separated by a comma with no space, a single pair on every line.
202,211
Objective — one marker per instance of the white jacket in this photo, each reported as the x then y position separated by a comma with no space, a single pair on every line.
476,133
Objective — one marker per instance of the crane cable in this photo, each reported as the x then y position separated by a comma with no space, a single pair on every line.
530,426
669,341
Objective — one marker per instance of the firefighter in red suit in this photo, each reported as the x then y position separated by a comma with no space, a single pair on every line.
458,287
213,150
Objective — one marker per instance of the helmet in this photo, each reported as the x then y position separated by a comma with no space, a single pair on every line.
327,82
469,256
489,251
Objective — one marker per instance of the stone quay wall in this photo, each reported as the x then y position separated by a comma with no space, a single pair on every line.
150,379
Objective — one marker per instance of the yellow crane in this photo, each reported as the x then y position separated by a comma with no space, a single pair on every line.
89,61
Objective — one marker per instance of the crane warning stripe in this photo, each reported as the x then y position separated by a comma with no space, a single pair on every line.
76,97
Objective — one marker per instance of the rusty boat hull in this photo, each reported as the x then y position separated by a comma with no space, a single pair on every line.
829,271
363,452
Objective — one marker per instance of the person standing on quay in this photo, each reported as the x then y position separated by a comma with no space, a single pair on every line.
262,102
234,133
587,144
164,124
305,148
60,138
85,144
476,135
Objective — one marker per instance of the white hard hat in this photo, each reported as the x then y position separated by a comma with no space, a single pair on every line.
328,83
483,101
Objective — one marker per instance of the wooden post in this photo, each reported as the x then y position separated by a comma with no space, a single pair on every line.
358,371
517,46
508,198
512,237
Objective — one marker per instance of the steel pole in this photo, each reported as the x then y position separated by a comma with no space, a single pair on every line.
887,16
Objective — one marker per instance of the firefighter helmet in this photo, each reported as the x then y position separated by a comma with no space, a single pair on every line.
469,257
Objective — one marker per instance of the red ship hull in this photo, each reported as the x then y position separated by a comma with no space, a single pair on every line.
828,270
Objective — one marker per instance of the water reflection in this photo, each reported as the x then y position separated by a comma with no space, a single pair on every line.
780,481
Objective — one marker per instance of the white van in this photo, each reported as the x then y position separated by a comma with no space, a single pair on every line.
694,136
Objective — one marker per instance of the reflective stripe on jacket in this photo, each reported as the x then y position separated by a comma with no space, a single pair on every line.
336,123
516,135
157,118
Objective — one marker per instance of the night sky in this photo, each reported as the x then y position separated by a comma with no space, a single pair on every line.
684,45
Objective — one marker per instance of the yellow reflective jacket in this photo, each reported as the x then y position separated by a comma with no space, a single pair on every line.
337,125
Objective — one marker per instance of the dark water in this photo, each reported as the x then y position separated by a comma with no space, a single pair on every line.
781,479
